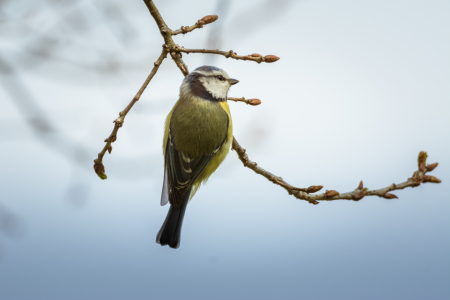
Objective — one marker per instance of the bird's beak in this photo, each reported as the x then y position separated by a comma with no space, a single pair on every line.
233,81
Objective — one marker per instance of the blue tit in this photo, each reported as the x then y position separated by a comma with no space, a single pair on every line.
197,137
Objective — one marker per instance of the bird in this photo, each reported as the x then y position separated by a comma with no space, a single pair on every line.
197,138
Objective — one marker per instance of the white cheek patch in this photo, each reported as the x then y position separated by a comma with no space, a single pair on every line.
218,89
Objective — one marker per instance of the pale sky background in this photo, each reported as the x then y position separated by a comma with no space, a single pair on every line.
361,88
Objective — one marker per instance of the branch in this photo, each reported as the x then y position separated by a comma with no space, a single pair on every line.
253,101
98,166
166,33
253,57
331,195
203,21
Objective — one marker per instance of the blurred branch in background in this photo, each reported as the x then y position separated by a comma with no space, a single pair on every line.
247,22
46,32
214,39
35,35
256,18
36,118
10,225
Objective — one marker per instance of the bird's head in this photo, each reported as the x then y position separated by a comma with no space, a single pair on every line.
209,83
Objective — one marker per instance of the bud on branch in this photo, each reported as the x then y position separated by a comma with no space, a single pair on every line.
432,167
100,170
360,186
208,19
253,102
422,160
203,21
428,178
313,189
271,58
331,193
390,196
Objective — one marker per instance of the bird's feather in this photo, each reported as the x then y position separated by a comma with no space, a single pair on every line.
181,170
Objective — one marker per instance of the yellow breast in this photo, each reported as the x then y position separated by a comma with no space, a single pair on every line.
220,155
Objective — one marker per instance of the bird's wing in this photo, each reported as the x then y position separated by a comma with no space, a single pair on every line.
180,172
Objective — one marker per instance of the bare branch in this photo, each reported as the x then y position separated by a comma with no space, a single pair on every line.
200,23
166,33
252,101
253,57
98,166
180,63
356,195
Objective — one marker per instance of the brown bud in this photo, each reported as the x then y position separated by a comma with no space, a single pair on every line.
254,102
390,196
210,18
100,170
114,139
422,160
415,175
428,178
106,140
361,185
256,55
271,58
314,189
109,149
432,167
358,196
331,193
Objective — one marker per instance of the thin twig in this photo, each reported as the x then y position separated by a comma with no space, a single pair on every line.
253,57
98,164
166,33
200,23
356,195
252,101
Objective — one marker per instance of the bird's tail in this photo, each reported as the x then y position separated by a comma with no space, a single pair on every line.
170,231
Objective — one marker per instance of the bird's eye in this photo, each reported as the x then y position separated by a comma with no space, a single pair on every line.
220,77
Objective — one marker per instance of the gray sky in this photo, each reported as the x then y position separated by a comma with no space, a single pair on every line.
360,89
